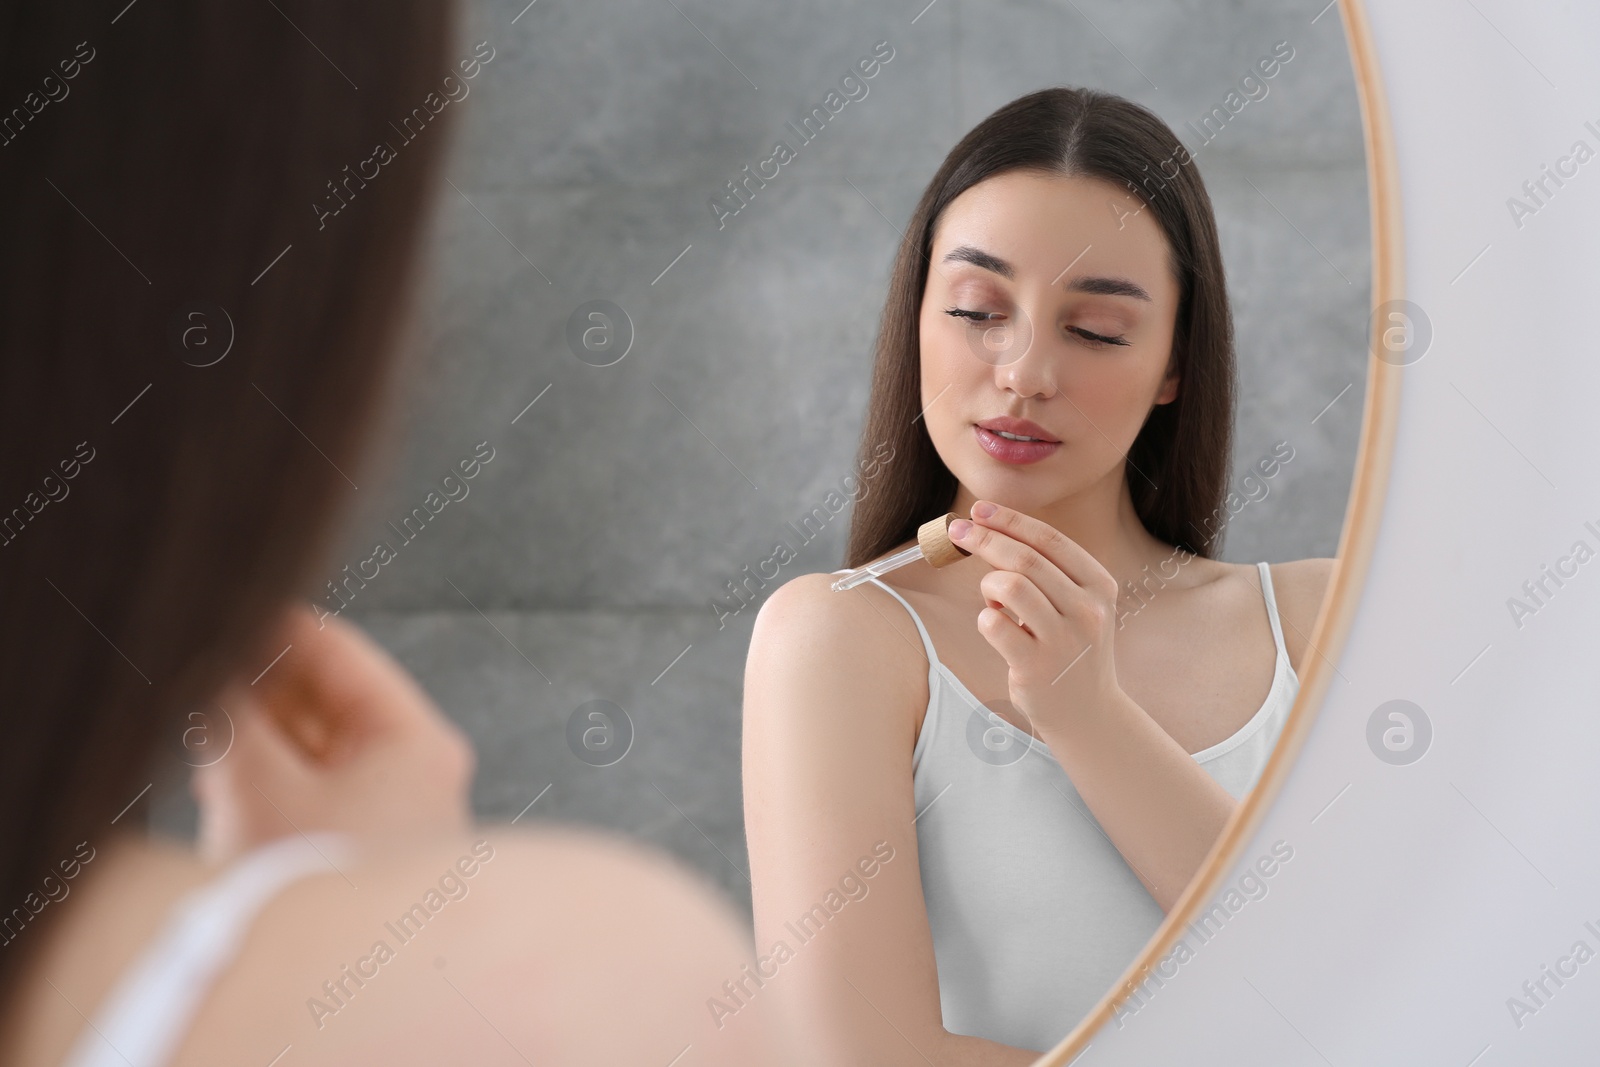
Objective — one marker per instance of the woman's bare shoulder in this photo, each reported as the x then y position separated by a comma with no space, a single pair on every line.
538,884
861,635
535,924
444,950
809,602
1299,587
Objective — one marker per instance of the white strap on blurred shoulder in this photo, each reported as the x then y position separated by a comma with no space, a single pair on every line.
148,1012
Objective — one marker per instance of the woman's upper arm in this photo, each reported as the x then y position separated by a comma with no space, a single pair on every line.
841,931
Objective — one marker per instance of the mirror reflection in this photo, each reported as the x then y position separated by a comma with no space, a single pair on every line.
1051,728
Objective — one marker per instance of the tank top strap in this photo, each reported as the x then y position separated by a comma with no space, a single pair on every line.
147,1014
1272,609
927,642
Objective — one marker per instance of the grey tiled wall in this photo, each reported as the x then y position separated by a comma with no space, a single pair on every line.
584,560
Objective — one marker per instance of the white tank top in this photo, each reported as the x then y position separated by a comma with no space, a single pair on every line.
1033,911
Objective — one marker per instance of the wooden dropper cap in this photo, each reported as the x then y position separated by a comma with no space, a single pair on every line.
933,537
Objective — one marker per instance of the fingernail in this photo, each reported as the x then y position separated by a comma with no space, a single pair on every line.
959,528
983,509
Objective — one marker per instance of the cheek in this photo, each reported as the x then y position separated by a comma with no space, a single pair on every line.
1112,389
950,376
1118,399
943,365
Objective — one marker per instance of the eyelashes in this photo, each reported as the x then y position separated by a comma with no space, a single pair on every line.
1094,340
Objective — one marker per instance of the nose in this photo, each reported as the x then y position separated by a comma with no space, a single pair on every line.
1029,366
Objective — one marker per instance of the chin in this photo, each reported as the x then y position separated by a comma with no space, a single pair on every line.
1023,488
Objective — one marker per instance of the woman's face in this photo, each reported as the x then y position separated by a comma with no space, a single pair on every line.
1040,266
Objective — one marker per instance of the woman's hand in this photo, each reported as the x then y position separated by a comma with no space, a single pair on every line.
1051,613
333,736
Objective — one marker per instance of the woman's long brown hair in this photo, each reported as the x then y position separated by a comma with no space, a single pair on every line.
157,515
1184,447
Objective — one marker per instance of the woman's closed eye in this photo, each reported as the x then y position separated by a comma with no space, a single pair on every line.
1095,340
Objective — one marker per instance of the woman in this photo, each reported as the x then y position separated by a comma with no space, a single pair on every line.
205,262
1055,361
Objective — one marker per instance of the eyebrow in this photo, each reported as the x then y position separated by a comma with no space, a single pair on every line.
1098,286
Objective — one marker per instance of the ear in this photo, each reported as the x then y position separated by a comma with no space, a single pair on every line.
1169,387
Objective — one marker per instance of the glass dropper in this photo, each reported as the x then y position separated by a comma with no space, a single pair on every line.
933,544
877,567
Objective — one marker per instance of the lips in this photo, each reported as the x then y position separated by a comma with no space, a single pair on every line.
1016,453
1020,427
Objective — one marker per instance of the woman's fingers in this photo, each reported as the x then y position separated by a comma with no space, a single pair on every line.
1004,552
1005,636
1022,600
329,690
336,692
335,735
1011,540
238,794
1050,602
